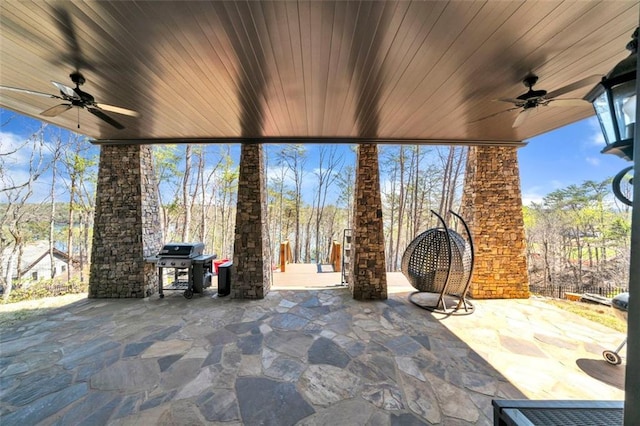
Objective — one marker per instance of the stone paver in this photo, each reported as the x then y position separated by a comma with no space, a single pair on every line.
313,357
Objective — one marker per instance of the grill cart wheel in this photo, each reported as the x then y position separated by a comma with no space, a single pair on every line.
620,305
612,357
162,296
188,294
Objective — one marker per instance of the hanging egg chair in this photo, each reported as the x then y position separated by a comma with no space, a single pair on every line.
440,261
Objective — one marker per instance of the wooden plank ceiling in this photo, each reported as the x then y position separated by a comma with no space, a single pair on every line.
426,71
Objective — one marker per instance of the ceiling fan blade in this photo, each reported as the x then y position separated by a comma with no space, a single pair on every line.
101,115
118,110
568,102
511,100
588,81
56,110
29,92
522,117
66,90
494,114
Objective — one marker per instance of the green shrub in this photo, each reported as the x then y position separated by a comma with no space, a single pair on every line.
45,288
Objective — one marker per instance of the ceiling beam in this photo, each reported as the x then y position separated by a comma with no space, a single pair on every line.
307,140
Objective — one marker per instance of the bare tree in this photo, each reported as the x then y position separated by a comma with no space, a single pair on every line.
395,161
346,184
294,157
80,170
279,200
56,153
166,159
186,190
16,195
401,204
329,167
389,197
452,171
207,190
227,191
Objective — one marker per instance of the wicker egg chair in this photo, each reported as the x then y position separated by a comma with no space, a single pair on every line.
440,261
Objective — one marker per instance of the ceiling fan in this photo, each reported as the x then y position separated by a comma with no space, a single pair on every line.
74,97
532,99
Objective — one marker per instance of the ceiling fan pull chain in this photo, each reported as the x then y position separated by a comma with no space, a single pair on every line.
78,118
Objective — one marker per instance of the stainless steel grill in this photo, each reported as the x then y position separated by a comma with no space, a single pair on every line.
192,269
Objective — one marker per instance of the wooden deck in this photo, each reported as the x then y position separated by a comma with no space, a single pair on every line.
306,276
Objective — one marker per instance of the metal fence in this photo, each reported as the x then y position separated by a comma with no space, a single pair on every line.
559,291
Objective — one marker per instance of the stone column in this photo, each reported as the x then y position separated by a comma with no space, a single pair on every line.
126,225
251,271
368,274
492,207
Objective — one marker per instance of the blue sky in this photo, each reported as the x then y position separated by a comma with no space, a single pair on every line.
569,155
555,160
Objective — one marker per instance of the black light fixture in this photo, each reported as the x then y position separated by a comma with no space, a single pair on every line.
614,101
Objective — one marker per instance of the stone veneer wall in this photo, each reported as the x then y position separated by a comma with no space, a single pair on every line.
368,274
251,271
126,225
492,207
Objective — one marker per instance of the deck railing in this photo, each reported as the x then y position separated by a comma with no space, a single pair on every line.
559,291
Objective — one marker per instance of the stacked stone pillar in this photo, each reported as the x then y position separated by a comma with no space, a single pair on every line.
368,275
251,271
126,225
492,207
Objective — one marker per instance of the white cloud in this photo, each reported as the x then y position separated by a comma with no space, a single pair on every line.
275,173
18,153
594,161
40,189
12,148
557,184
529,198
535,194
532,195
596,138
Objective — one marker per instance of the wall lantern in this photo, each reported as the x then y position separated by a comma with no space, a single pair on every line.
614,100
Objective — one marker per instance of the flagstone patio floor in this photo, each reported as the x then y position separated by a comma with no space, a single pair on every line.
307,354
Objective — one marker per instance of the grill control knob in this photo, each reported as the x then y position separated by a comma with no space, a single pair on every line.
183,263
173,263
163,262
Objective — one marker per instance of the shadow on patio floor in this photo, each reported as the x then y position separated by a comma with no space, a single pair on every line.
297,357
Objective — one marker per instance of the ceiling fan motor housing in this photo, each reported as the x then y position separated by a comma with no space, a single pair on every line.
530,81
77,78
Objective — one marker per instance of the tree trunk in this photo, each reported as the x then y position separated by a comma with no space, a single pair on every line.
70,218
446,182
185,194
52,223
57,152
307,244
392,217
401,208
416,191
203,222
8,279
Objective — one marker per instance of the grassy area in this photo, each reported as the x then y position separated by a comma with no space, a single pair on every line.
594,312
13,313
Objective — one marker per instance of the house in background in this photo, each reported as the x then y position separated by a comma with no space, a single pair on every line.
36,262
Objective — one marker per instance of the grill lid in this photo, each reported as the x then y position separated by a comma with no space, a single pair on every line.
182,250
